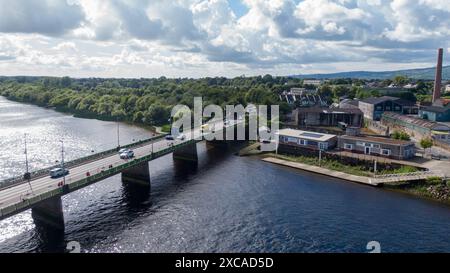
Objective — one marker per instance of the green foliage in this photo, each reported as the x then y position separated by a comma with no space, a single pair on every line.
435,180
402,169
400,135
400,80
145,101
426,143
166,128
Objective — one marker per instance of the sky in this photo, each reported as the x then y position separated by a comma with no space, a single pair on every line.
207,38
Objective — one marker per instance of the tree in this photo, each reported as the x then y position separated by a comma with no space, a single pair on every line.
401,80
339,91
400,135
156,115
65,82
325,91
426,143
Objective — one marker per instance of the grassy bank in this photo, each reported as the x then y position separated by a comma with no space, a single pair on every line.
335,165
432,188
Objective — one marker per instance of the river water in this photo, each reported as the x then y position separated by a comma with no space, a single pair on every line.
225,203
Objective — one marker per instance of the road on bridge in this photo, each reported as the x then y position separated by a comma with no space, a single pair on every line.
18,193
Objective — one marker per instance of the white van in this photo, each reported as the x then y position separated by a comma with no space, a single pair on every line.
58,172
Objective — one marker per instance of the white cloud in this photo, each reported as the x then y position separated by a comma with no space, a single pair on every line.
51,17
204,37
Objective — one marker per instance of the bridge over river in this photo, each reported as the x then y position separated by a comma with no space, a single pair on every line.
43,194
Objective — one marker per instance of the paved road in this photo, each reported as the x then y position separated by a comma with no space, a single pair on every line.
16,194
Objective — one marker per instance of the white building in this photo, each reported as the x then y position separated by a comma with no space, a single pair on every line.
289,139
312,82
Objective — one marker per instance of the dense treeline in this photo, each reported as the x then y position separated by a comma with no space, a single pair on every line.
146,101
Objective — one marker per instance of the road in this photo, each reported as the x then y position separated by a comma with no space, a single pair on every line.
18,193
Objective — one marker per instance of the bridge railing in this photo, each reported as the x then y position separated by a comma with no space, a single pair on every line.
27,203
69,164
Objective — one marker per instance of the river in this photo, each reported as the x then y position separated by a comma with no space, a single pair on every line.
225,203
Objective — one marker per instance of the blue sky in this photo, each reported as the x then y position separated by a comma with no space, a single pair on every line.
238,7
198,38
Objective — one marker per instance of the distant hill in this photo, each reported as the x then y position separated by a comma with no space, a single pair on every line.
421,73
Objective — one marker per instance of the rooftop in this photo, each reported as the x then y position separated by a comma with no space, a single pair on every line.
305,135
418,121
329,110
376,100
378,140
436,109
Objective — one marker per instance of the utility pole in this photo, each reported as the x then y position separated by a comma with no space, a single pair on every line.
320,156
27,174
62,162
153,135
118,138
375,167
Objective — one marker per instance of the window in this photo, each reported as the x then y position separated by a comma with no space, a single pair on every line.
397,108
303,142
376,146
360,143
323,145
348,146
385,152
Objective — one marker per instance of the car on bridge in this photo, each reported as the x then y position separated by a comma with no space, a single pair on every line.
123,150
58,172
127,154
170,137
181,137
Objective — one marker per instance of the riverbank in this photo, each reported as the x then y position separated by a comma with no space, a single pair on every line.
364,169
432,188
321,171
439,192
76,114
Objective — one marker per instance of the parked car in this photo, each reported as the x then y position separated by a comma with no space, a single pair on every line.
170,137
127,154
123,150
181,137
58,172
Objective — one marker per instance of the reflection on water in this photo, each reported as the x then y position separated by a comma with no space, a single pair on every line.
225,203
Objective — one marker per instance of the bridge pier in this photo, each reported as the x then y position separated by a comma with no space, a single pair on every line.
139,174
49,213
186,153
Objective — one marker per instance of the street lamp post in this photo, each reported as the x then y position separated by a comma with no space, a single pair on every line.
118,138
62,162
27,174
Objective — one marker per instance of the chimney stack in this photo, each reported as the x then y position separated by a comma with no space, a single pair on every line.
438,78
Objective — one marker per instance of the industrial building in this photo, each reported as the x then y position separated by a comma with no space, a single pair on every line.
319,116
440,108
416,127
435,113
374,107
378,146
